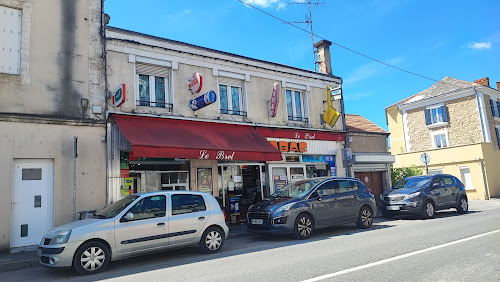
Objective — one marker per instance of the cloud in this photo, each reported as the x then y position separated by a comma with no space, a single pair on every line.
370,69
279,4
479,45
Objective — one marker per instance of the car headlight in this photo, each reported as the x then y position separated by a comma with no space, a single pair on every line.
283,208
411,196
60,238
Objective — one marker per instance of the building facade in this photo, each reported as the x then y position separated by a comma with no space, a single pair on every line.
202,119
457,123
52,89
371,159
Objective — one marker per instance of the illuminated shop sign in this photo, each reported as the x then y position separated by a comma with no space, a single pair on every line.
196,82
275,99
119,95
283,146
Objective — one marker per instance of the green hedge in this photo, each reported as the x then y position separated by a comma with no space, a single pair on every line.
400,173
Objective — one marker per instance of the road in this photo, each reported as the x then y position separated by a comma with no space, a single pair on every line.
450,247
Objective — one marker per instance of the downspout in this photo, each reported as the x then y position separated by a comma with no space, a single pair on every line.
103,40
486,194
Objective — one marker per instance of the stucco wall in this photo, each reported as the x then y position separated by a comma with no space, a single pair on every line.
55,142
463,126
395,125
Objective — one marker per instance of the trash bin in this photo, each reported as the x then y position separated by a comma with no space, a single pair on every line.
86,214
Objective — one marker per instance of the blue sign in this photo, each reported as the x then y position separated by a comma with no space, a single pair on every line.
203,100
235,205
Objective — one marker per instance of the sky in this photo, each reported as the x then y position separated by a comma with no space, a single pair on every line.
433,38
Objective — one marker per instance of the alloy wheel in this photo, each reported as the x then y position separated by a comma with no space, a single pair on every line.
464,204
213,240
92,258
304,226
366,217
429,209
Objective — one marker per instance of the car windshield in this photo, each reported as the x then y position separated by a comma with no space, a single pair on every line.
116,207
413,182
296,189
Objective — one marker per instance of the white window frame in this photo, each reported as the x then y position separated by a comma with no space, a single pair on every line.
152,88
302,101
242,98
436,133
435,122
463,179
435,171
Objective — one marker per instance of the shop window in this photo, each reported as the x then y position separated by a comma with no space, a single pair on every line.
295,105
174,180
187,203
153,86
292,159
149,207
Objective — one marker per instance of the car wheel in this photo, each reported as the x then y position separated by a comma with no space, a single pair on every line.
428,210
365,218
463,205
212,240
303,227
92,257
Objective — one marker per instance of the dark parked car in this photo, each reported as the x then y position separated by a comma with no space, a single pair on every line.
303,206
424,195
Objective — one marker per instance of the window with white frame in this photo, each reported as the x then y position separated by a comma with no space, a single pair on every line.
295,105
231,96
153,85
435,171
436,115
440,139
10,40
466,177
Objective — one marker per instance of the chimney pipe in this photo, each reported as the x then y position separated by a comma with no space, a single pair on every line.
324,61
483,81
498,85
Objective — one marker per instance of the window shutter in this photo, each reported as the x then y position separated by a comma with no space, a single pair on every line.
148,69
427,117
498,108
492,104
230,81
444,111
498,136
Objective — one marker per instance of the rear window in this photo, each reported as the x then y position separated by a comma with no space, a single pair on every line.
187,203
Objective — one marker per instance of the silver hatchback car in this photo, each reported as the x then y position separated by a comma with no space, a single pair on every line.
134,225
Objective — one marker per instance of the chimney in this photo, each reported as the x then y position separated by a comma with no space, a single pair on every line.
498,85
324,61
483,81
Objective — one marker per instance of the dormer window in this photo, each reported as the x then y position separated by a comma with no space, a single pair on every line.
436,115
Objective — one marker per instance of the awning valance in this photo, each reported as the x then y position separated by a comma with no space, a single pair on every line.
171,138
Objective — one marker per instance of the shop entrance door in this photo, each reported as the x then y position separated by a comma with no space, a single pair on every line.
240,186
282,174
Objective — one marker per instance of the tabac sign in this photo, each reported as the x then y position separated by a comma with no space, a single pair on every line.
331,115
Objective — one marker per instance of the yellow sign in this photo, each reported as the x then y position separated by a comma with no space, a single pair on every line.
331,115
129,182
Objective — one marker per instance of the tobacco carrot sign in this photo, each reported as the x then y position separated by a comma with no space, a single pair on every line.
331,115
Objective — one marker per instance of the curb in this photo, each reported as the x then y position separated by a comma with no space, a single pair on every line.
16,265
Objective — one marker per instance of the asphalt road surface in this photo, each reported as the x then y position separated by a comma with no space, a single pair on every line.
450,247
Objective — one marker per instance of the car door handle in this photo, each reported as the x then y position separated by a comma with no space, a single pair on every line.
201,218
161,224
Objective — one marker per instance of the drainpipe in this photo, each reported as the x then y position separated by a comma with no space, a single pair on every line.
486,194
102,31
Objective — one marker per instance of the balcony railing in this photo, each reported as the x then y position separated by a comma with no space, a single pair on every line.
167,106
235,113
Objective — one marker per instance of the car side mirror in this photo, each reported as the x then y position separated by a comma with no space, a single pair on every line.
436,185
321,193
129,216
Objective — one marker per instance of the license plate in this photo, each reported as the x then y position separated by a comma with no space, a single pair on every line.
393,208
257,221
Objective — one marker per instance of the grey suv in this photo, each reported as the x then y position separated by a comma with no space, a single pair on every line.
302,206
134,225
424,195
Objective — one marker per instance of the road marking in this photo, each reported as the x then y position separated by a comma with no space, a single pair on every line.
326,276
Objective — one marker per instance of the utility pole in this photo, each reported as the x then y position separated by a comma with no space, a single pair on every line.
309,23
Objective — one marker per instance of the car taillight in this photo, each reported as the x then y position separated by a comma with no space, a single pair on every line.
225,218
370,190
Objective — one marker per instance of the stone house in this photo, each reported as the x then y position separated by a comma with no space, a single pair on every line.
52,91
457,123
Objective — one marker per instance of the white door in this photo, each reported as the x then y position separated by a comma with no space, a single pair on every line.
32,201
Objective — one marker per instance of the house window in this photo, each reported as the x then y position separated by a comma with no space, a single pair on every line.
153,86
231,96
497,130
10,40
295,105
466,177
440,139
436,114
495,108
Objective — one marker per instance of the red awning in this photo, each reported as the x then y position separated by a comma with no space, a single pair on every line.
168,138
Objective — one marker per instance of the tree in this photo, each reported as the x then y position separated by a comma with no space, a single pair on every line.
400,173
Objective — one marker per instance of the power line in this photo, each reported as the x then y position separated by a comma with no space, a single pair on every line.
339,45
